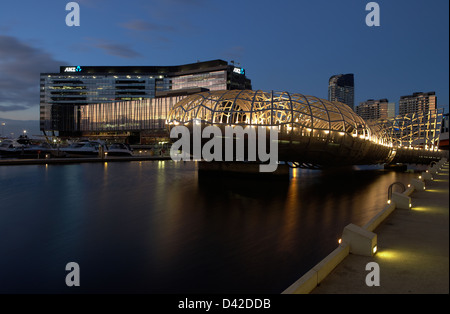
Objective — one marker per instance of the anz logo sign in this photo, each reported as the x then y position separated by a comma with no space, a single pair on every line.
239,70
72,69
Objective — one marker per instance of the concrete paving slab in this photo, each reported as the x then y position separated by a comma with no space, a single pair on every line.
413,249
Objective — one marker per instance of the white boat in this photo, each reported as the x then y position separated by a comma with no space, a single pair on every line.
42,150
83,149
11,148
119,149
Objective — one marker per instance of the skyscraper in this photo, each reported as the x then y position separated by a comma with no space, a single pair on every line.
376,109
341,88
417,103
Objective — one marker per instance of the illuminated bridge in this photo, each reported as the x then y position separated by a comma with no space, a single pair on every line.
313,132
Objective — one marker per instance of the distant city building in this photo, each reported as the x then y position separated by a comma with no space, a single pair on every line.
341,88
126,100
444,136
417,103
376,109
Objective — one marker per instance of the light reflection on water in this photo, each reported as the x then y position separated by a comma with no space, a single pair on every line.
157,227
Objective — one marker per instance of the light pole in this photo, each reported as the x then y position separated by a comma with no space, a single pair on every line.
3,128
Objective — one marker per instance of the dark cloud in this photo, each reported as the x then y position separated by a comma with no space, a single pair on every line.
20,68
118,50
12,108
141,25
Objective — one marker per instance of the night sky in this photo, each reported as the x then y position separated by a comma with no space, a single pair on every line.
283,45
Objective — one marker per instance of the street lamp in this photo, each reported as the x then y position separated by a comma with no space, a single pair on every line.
3,127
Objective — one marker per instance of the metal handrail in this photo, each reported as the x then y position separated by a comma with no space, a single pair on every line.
390,189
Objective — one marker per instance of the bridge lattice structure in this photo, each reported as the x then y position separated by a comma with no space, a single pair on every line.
314,132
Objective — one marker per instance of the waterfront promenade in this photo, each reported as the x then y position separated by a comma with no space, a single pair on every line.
61,161
413,249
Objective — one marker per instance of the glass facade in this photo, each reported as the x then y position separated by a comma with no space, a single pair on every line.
135,115
341,88
84,99
213,81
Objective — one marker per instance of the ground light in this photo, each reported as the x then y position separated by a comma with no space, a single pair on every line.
390,255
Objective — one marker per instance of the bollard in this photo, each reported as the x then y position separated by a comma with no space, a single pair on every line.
401,201
433,170
361,241
418,184
427,176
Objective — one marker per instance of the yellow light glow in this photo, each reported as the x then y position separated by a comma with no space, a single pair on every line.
374,249
436,190
420,208
389,255
389,201
340,241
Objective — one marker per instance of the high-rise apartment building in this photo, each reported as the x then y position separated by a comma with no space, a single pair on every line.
376,109
417,103
341,88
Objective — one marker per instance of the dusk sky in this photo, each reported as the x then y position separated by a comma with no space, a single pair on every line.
284,45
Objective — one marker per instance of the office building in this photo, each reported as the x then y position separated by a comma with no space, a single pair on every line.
125,100
417,103
444,138
376,109
341,88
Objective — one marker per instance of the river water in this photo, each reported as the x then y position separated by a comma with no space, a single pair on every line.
157,227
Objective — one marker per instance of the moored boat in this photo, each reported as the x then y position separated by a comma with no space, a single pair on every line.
83,149
119,149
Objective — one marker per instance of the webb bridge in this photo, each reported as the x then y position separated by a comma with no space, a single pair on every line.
316,133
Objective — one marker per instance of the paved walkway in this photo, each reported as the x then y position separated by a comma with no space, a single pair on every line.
413,247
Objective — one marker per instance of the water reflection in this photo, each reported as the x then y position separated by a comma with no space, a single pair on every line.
159,227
